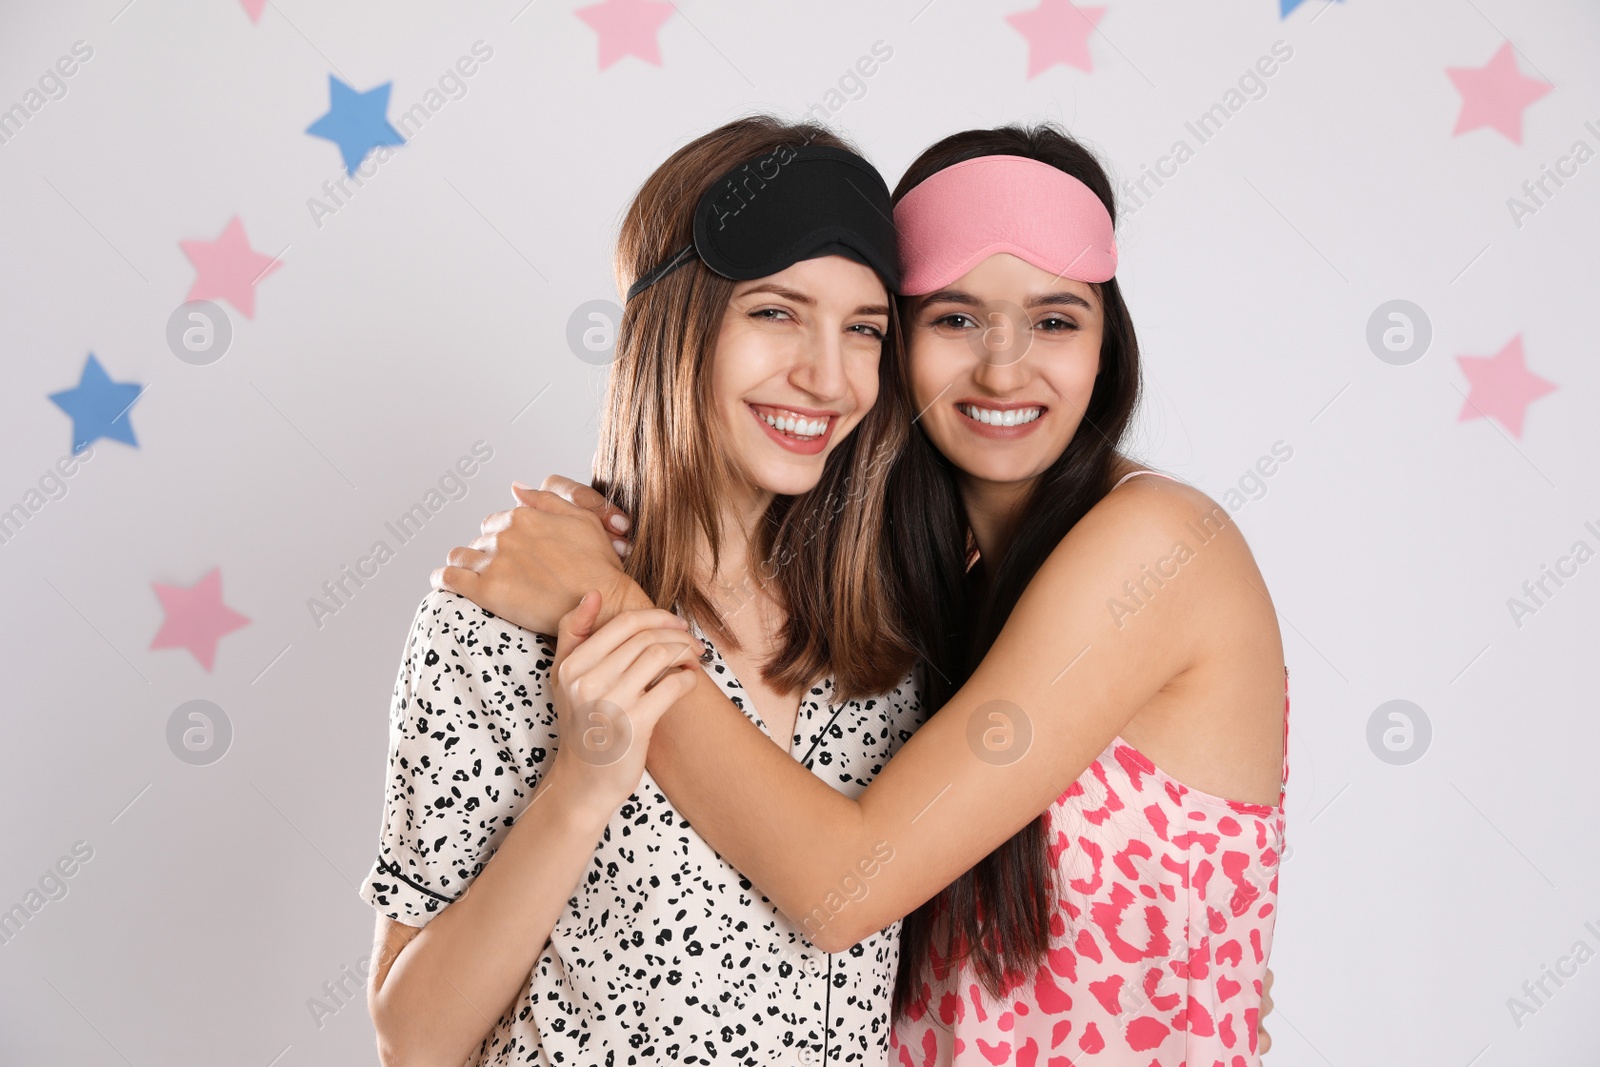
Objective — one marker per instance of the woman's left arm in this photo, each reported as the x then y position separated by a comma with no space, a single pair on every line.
1073,664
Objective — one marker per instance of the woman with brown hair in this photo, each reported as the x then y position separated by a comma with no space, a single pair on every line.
1083,840
743,417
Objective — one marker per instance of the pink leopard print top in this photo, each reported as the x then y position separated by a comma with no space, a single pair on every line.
1159,946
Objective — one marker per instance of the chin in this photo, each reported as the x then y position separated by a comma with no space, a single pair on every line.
989,467
788,482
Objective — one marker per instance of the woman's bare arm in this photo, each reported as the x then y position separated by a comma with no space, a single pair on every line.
675,752
1065,673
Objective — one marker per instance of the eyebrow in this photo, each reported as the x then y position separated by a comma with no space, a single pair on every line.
781,290
957,296
1063,297
801,298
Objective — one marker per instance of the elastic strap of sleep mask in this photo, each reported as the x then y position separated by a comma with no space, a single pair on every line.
682,256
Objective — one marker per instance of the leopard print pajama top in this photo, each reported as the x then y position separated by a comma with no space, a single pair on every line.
665,952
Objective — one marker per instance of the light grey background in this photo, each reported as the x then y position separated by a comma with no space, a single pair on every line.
432,308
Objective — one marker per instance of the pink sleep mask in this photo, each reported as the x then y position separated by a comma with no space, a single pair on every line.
960,216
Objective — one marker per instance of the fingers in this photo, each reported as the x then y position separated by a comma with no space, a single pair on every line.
539,500
1264,1039
585,496
650,656
569,489
542,501
469,558
589,502
627,673
637,665
458,580
581,648
578,624
645,711
608,638
590,499
573,631
623,676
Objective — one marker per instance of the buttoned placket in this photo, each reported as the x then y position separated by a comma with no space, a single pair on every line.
809,961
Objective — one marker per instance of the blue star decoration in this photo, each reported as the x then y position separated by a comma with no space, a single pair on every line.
98,407
1290,5
356,122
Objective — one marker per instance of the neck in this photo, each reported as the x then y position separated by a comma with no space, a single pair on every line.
994,509
743,505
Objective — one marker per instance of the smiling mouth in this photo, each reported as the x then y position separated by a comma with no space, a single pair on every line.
792,424
999,416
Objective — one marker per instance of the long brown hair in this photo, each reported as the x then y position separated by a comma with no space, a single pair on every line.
664,462
996,917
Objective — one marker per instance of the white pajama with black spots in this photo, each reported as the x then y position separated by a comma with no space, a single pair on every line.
666,952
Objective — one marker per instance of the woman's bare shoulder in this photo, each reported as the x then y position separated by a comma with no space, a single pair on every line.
1176,506
1169,537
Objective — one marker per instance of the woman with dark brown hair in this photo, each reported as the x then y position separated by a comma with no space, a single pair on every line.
1084,839
758,384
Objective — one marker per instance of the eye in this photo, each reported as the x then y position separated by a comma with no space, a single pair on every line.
771,314
1056,324
866,329
956,320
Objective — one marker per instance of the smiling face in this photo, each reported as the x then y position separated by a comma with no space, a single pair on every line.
796,368
1003,361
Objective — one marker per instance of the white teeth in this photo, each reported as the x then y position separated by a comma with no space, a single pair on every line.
796,425
996,417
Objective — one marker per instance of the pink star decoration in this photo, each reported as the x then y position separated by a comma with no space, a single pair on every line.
627,28
196,617
253,8
1057,32
228,268
1495,94
1502,386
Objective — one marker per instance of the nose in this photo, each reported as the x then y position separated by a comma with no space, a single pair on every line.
819,370
1001,350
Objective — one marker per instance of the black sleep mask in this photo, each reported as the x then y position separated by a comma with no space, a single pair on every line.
769,213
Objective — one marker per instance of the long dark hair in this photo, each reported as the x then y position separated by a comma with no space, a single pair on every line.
996,918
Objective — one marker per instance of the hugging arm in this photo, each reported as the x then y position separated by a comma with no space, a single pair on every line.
937,804
1063,675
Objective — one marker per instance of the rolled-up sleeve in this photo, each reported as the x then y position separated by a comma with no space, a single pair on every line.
470,733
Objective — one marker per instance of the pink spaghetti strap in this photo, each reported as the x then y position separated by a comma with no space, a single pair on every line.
1285,778
1158,474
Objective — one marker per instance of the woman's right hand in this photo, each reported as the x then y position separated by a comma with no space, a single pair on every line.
614,519
611,686
532,562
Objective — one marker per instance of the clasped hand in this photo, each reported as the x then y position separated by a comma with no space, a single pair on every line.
505,570
548,566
